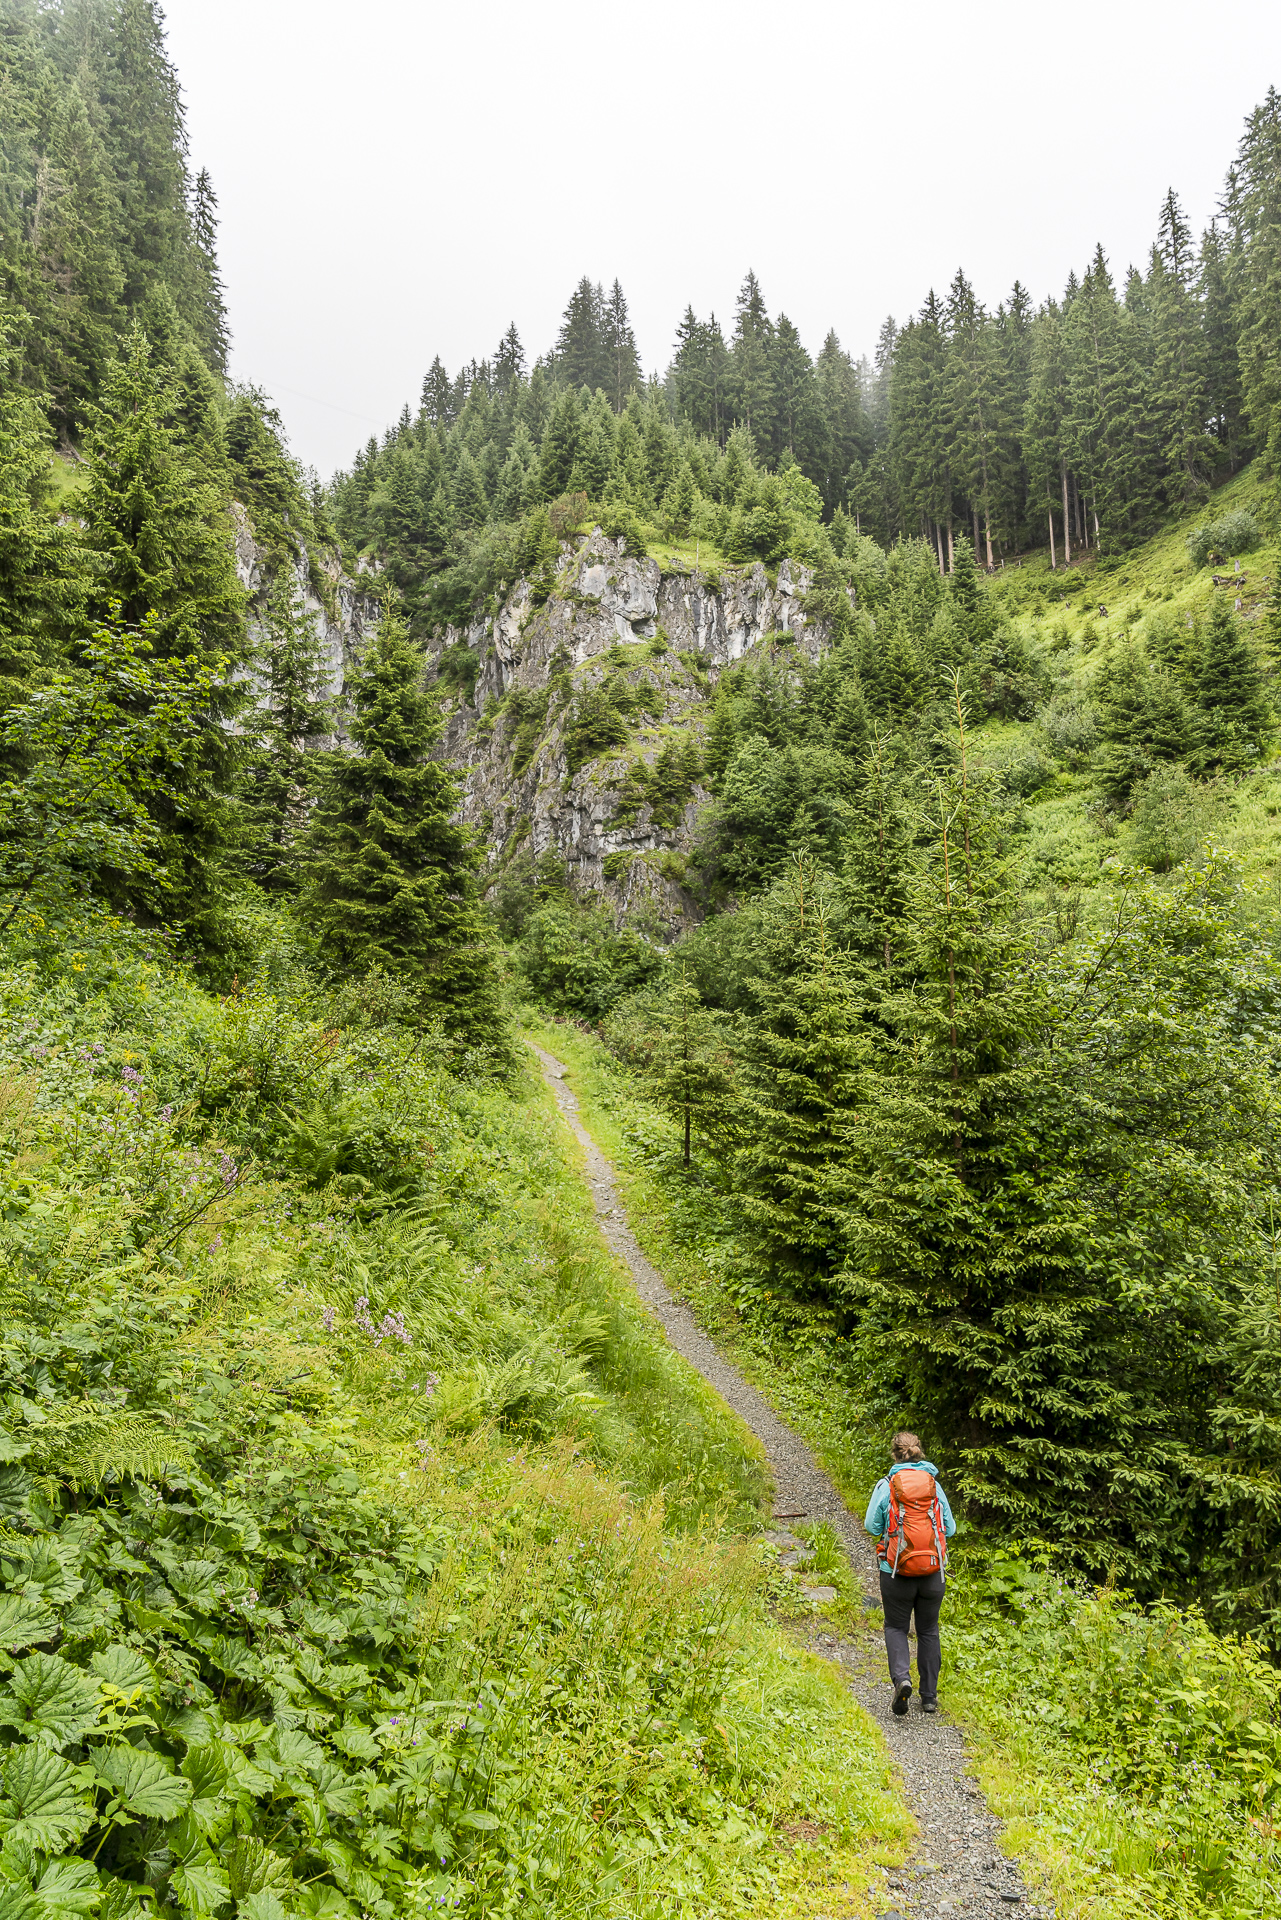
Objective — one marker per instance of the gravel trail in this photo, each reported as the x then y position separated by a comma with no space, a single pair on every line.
957,1867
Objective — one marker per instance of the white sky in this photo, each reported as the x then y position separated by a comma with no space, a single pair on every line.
400,179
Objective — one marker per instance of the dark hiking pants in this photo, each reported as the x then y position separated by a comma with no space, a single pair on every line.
901,1596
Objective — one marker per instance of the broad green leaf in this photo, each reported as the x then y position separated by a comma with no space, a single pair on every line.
120,1901
356,1742
322,1903
68,1886
18,1860
298,1750
124,1668
201,1887
23,1621
49,1571
198,1582
18,1903
254,1868
206,1769
478,1818
261,1906
43,1800
339,1793
15,1491
50,1700
142,1782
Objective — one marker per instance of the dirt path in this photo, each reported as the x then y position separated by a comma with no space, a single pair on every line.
957,1867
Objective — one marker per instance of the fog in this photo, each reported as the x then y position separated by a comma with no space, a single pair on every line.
399,180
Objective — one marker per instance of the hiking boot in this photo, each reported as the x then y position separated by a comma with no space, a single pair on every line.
929,1706
902,1694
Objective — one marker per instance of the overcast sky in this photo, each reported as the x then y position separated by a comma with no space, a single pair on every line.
399,179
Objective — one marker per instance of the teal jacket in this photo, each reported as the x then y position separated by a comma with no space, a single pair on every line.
878,1511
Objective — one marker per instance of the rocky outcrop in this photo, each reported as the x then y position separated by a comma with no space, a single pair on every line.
343,612
610,623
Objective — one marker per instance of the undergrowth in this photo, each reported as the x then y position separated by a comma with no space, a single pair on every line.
363,1547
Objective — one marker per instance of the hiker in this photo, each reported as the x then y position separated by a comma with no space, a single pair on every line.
913,1523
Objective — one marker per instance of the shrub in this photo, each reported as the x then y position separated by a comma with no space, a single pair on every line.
1235,532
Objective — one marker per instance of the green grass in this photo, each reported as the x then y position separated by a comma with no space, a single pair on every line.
68,478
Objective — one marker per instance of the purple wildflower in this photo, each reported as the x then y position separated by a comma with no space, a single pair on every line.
327,1316
392,1328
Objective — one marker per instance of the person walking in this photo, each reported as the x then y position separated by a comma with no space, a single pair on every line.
913,1523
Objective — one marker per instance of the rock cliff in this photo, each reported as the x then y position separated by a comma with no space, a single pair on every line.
343,611
578,710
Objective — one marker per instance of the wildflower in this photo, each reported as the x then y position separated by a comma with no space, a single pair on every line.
392,1328
361,1315
327,1319
227,1168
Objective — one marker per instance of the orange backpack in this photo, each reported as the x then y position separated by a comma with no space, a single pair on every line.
914,1542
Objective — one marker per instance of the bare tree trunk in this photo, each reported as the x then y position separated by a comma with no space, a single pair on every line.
1067,519
1049,514
987,534
951,551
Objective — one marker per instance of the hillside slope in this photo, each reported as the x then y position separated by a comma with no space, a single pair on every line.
583,699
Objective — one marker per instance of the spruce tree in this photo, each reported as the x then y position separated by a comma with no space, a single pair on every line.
1255,212
1221,325
1179,396
148,143
803,1053
594,454
846,430
974,404
919,450
560,445
1144,719
877,864
620,349
582,352
751,362
41,567
159,534
798,416
682,1052
1231,693
160,543
680,500
292,713
212,330
391,875
1043,423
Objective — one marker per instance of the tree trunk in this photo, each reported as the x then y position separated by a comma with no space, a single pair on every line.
987,535
687,1136
1049,514
951,550
1067,521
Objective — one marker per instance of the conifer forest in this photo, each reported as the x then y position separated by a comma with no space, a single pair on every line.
862,775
